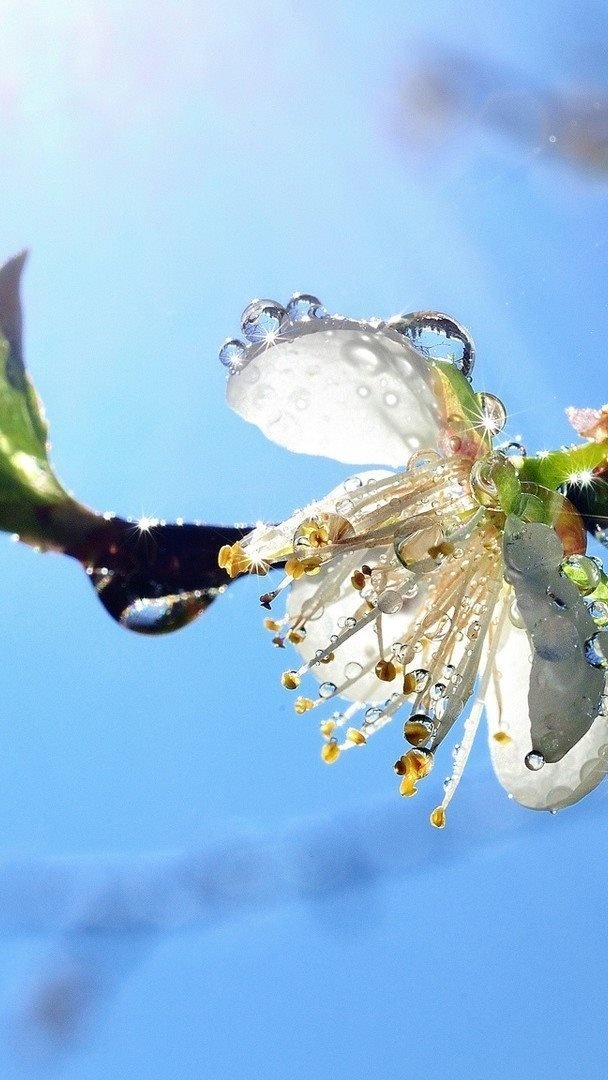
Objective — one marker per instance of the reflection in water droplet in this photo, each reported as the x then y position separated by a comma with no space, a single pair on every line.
596,650
438,337
534,761
493,412
233,355
327,689
305,306
163,614
262,320
391,399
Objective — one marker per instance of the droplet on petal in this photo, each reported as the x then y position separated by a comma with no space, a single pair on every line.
261,321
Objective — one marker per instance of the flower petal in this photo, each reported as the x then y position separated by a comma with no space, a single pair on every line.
353,391
558,783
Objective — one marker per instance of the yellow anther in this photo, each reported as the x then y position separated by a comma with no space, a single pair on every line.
296,568
303,704
358,580
385,670
437,817
409,682
295,636
327,659
330,752
502,738
234,560
407,787
290,680
272,625
327,728
355,736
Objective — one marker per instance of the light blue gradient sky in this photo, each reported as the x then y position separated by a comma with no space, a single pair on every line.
165,163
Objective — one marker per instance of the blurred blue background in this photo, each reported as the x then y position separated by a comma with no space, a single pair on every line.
185,890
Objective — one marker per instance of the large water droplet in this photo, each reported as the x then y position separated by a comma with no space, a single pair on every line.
327,690
233,355
261,321
582,571
438,337
305,306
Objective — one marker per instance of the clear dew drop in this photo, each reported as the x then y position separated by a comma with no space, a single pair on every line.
598,610
261,321
582,571
372,714
327,690
233,355
534,761
438,337
391,399
352,670
493,412
596,650
389,602
304,306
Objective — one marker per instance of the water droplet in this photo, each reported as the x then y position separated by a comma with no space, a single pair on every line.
327,690
161,615
598,609
418,729
350,622
304,306
352,670
344,506
438,337
353,483
363,391
372,714
534,761
391,399
494,414
389,602
233,355
582,571
261,321
423,459
596,649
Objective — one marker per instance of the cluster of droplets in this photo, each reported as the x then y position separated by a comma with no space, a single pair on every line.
263,322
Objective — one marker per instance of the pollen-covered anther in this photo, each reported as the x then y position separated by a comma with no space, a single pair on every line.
411,767
437,817
290,680
296,636
303,705
234,560
358,580
327,728
296,568
330,752
353,735
273,625
385,670
502,738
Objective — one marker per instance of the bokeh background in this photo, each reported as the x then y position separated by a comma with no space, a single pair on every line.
185,889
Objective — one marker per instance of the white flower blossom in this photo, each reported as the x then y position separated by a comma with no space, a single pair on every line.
452,579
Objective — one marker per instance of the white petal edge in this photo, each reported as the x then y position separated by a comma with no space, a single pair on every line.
557,784
356,392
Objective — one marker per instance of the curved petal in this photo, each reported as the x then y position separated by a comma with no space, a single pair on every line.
353,391
559,783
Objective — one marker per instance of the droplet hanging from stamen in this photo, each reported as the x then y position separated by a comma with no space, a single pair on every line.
314,534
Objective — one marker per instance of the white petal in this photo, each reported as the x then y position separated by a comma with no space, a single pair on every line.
356,392
352,671
555,785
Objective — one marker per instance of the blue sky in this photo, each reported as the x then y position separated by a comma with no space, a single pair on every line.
164,164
